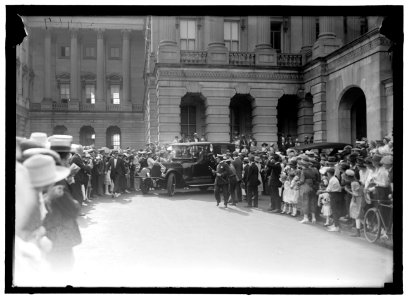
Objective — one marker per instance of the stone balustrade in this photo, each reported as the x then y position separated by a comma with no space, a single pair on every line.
242,58
137,107
193,57
35,106
59,106
289,60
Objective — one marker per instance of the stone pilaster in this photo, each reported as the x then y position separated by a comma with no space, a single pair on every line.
74,87
308,33
327,41
100,101
153,120
169,51
318,92
264,53
217,53
126,65
264,115
217,113
47,66
389,104
353,28
305,117
168,99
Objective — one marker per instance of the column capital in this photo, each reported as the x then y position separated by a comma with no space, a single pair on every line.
74,32
100,33
125,33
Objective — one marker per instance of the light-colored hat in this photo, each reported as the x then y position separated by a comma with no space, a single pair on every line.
387,160
41,138
350,173
43,171
60,143
44,151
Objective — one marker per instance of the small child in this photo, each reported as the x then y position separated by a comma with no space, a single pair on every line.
286,193
356,204
324,201
295,190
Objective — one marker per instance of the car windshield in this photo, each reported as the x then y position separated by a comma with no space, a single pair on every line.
190,151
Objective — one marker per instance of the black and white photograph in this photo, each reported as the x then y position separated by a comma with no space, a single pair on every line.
195,147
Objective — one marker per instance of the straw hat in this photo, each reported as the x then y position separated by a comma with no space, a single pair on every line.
60,143
387,160
41,138
44,151
43,171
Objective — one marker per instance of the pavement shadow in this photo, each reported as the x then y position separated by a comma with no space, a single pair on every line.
236,210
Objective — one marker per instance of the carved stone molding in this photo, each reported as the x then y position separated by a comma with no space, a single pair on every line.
64,76
242,88
88,76
204,75
114,78
193,87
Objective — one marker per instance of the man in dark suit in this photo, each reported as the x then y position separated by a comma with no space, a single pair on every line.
118,171
222,181
274,169
81,177
252,182
245,176
237,163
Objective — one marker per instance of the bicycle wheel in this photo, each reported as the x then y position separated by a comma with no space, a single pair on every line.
372,225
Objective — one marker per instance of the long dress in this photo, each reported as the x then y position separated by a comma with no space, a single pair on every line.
356,203
307,194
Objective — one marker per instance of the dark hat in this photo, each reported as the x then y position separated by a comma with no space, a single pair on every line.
348,147
344,166
377,158
235,153
332,159
246,159
353,156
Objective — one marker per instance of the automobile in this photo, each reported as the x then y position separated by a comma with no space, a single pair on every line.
191,166
327,147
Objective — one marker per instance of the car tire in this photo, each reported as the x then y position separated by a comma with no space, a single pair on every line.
171,184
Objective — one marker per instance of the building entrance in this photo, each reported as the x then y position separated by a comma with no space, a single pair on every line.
240,115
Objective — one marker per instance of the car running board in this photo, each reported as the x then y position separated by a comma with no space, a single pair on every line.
198,185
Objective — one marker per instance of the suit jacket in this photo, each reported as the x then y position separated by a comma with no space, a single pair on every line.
119,170
81,176
276,170
252,178
225,171
245,177
237,163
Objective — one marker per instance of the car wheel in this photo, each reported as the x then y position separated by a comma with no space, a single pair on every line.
171,184
145,186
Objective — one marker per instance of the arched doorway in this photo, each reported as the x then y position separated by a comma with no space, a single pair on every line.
287,117
241,115
352,116
113,137
87,136
192,115
305,118
60,129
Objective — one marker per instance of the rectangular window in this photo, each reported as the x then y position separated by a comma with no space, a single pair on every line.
90,93
114,52
90,52
64,92
116,141
276,36
187,34
115,96
231,35
188,120
65,51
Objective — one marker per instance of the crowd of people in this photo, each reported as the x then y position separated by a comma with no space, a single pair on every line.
56,179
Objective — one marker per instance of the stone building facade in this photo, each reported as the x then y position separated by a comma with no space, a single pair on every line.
127,81
85,79
328,77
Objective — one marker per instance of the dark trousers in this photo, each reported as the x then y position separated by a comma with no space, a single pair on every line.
275,198
238,190
218,188
232,190
76,192
252,191
117,183
101,180
336,199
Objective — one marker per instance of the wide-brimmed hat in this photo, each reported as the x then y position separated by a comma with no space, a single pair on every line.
43,171
60,143
41,138
28,144
44,151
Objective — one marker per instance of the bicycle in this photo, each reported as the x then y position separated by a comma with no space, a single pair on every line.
374,224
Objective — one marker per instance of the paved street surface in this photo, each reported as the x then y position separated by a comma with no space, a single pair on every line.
186,241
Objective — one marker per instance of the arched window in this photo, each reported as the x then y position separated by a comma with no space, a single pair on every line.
87,136
60,129
113,137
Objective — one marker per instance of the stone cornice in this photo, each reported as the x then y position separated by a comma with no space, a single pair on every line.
205,75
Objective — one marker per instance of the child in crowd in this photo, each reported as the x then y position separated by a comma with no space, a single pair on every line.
324,202
356,203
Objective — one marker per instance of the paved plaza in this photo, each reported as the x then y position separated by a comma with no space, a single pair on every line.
187,241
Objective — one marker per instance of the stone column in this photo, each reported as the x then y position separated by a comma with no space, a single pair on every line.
100,101
318,92
264,115
327,41
74,88
126,66
264,53
217,53
168,110
151,112
353,28
169,51
47,66
308,33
